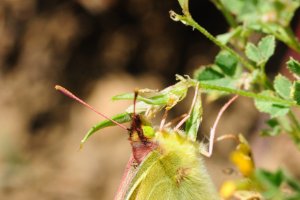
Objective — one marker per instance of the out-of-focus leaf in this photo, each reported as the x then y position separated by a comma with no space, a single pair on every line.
226,37
274,109
274,130
227,62
282,86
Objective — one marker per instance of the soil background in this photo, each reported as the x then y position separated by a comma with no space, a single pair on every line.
97,49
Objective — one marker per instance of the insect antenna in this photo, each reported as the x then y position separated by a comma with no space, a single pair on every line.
72,96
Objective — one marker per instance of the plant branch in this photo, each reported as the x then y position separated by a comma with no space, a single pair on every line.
246,94
188,20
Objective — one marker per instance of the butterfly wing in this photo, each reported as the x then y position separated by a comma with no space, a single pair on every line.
176,172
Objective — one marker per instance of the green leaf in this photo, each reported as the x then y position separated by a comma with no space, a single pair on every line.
207,73
282,86
121,118
263,51
274,130
193,123
274,109
226,37
294,66
168,97
234,6
267,46
227,62
252,52
296,92
276,178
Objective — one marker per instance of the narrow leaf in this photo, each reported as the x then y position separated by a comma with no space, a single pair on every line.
193,123
121,118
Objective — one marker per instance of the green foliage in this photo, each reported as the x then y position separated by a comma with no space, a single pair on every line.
275,110
193,123
282,86
272,182
266,16
296,92
227,63
294,66
262,52
274,129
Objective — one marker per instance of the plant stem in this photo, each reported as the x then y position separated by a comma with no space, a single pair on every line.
188,20
246,94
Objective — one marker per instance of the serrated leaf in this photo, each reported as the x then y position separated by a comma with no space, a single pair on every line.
296,92
207,73
294,66
263,51
274,109
282,86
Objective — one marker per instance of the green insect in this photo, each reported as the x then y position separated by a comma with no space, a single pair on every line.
166,162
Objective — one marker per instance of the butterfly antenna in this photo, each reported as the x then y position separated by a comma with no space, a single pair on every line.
72,96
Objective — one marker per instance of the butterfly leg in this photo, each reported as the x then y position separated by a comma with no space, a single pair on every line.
191,109
212,134
163,121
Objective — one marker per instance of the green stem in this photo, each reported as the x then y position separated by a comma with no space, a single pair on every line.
294,43
229,18
286,35
246,94
188,20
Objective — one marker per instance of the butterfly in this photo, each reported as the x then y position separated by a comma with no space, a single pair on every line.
166,162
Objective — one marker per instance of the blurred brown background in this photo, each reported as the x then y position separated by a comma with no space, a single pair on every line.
97,49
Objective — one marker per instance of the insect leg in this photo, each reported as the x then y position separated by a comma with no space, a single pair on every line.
191,109
212,134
